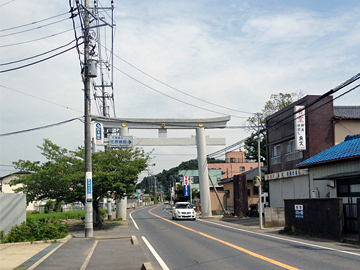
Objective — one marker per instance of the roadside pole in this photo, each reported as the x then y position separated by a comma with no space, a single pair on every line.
87,112
259,167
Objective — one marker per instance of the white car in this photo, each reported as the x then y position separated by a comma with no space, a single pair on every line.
183,210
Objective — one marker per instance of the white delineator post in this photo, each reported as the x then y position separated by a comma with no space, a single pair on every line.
121,204
203,172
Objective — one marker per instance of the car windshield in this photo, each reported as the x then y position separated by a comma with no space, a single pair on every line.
182,206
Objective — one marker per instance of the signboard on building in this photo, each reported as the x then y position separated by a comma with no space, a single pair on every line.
299,211
120,141
99,133
299,126
286,174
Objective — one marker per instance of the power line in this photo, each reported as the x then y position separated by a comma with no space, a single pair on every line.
25,59
42,127
314,109
28,30
12,69
40,98
33,40
198,107
7,3
24,25
214,104
330,92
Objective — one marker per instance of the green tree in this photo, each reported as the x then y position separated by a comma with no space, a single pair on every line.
62,176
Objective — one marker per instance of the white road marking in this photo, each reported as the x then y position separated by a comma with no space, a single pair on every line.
136,226
83,267
283,239
157,257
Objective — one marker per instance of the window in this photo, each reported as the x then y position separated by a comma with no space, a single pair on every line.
249,192
256,190
232,160
291,153
275,154
242,169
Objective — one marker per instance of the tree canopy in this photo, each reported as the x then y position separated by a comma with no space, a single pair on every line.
62,176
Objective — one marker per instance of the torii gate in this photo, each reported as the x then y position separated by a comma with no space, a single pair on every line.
124,124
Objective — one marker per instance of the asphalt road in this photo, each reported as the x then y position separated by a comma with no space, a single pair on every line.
206,244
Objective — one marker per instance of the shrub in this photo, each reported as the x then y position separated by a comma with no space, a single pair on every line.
33,230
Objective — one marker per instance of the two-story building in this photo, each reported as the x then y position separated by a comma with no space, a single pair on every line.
321,126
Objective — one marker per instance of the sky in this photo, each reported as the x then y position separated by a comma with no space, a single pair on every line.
172,59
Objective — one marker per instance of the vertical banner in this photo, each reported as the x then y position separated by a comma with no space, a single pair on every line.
186,185
186,190
186,180
99,133
88,176
299,126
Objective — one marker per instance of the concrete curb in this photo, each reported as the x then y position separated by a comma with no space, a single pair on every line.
63,240
134,240
147,266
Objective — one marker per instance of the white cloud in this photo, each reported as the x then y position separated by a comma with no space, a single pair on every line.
233,54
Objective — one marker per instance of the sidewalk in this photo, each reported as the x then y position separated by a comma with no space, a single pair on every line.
114,248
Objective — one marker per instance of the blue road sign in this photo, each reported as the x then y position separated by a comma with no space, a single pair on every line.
186,190
120,141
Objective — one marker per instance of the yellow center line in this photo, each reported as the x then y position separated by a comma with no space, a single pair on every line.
285,266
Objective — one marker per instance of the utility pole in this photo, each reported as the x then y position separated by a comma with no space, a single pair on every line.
87,112
259,167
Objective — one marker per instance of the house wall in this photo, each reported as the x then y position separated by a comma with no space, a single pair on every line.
288,188
229,168
6,188
215,175
327,188
230,197
216,208
346,127
13,210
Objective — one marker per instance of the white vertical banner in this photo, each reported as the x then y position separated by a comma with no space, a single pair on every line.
89,192
99,133
299,128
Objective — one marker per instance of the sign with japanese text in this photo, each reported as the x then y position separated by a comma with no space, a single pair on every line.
186,190
299,211
99,133
299,126
89,186
120,141
186,180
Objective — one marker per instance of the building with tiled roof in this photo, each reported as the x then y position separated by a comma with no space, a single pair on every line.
335,173
350,148
347,112
346,121
323,126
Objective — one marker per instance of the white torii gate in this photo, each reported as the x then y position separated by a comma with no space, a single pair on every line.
124,124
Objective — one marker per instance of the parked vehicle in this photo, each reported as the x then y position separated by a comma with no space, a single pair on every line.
183,210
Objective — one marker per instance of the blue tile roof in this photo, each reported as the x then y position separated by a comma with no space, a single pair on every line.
348,148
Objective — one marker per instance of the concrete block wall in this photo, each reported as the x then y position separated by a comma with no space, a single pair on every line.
274,217
321,217
12,210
